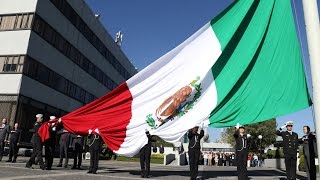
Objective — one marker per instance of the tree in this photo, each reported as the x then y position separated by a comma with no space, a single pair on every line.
266,129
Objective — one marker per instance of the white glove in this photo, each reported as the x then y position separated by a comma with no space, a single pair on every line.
59,120
53,124
90,131
97,131
238,125
54,129
248,135
282,127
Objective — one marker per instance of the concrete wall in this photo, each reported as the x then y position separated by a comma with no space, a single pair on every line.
17,6
183,159
14,42
13,83
279,163
167,159
274,163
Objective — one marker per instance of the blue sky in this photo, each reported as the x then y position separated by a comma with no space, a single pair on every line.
152,28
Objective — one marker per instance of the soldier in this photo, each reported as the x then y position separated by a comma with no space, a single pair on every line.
37,145
241,151
64,143
290,147
50,144
4,131
77,147
309,152
94,145
145,153
15,137
161,149
194,150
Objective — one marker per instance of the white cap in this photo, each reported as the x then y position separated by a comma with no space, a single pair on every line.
39,116
52,117
289,123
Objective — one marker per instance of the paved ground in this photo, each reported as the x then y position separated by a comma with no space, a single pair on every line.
124,170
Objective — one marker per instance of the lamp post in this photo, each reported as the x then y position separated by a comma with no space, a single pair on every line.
259,160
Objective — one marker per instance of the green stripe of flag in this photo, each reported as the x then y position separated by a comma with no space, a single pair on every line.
260,72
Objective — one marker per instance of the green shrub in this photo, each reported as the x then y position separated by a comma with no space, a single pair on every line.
271,154
155,158
301,165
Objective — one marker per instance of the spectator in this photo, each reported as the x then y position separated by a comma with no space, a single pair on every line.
205,158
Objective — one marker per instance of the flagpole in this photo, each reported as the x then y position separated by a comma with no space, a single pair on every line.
311,17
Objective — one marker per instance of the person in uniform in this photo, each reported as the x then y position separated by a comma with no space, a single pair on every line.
145,153
290,147
64,143
14,138
194,150
4,132
241,151
161,149
77,147
50,144
94,148
309,140
37,144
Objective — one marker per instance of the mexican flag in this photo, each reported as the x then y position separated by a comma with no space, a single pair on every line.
244,66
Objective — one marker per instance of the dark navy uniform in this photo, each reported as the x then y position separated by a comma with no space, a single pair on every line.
14,138
94,146
194,152
50,146
241,154
4,131
290,147
77,149
309,155
145,153
37,148
64,143
161,149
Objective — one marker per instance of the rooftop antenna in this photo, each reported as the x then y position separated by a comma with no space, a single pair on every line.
118,39
97,16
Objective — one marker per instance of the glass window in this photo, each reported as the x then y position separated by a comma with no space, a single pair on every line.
38,26
91,69
25,19
84,64
18,21
11,63
2,62
29,25
48,34
61,83
110,84
8,22
43,74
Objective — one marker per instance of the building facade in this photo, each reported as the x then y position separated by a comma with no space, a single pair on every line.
55,57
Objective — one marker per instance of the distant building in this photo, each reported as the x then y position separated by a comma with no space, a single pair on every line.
55,57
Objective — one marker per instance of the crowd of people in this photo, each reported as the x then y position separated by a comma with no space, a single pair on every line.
66,141
241,158
218,159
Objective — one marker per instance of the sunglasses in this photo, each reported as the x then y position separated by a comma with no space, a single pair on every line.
289,125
